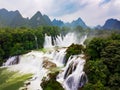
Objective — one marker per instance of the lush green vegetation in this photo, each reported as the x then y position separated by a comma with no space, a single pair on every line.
103,63
51,83
73,49
10,80
15,41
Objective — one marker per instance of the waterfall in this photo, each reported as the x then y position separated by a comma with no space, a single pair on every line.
11,61
31,62
36,41
72,77
67,40
83,39
59,56
74,80
60,41
48,41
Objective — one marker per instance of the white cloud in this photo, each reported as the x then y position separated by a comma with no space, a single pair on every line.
93,12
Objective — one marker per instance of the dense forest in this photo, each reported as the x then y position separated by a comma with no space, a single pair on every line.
16,41
103,63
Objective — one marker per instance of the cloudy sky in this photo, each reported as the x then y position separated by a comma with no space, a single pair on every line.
93,12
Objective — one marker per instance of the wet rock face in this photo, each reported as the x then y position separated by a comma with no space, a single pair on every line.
83,80
12,61
70,82
28,83
72,67
16,61
73,85
48,64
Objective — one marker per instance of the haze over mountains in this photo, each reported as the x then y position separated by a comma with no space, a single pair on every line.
15,19
112,24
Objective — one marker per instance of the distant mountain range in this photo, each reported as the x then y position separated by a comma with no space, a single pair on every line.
74,23
12,18
111,24
15,19
38,20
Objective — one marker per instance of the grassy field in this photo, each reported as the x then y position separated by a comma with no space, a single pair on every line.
10,80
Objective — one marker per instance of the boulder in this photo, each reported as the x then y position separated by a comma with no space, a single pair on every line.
48,64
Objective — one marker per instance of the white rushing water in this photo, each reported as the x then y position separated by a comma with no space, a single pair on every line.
36,41
48,41
67,40
72,77
64,41
30,63
11,61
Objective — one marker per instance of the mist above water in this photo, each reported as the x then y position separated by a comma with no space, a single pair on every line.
64,41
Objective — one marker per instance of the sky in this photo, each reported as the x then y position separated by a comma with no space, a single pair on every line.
92,12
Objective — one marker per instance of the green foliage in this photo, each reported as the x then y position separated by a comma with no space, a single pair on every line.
80,30
51,84
15,41
103,63
74,49
111,55
17,49
95,47
115,36
65,30
96,70
97,86
10,80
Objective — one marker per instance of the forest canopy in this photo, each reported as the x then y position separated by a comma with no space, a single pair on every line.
103,63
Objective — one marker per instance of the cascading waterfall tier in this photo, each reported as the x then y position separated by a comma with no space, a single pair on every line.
67,40
48,41
29,63
11,61
64,41
72,77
